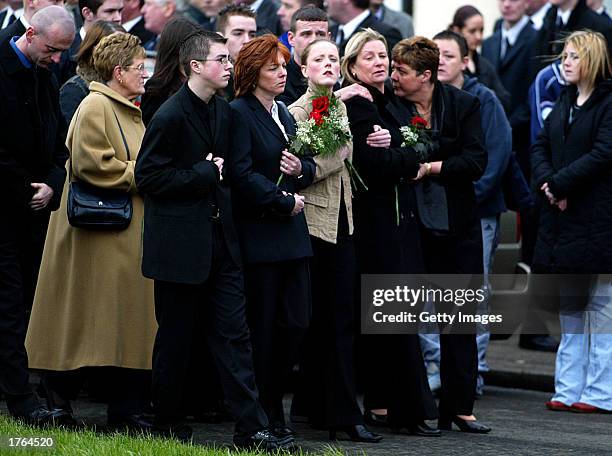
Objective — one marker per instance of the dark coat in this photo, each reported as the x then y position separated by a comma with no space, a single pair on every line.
576,161
391,34
462,152
456,116
548,37
268,232
71,94
32,143
296,84
383,245
154,97
267,18
179,187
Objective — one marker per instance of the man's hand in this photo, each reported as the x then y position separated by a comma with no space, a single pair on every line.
41,198
354,90
290,164
299,204
380,138
218,161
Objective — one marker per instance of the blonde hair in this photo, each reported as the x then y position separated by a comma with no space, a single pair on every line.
118,49
352,50
592,49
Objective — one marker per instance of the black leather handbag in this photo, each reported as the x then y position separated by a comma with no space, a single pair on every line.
96,208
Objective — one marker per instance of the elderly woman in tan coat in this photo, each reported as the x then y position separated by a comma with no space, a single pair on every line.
328,396
92,306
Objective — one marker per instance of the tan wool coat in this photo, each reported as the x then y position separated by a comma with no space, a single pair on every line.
92,306
322,208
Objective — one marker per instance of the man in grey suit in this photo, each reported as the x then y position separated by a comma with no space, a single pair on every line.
396,19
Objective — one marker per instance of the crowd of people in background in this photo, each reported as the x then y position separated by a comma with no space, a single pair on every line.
241,258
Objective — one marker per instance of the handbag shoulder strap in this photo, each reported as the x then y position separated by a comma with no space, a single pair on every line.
127,149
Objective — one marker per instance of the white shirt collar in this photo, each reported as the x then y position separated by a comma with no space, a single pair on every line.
564,15
256,5
513,32
82,33
24,21
351,26
131,23
9,13
276,118
538,17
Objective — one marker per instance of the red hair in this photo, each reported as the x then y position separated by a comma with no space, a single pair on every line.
251,58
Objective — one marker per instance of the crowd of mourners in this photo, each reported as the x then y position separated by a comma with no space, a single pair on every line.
167,244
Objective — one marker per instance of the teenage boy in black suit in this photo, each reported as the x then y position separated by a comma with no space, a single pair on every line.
191,248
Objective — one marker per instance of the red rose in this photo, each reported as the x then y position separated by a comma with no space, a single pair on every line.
419,122
320,104
317,116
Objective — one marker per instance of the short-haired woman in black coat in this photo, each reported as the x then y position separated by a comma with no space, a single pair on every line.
449,226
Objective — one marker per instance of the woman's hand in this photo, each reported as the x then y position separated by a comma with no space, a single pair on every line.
562,205
354,90
290,164
424,170
344,152
299,204
380,138
551,198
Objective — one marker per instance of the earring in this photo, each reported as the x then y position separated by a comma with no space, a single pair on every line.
120,81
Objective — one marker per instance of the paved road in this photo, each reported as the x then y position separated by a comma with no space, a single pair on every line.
521,426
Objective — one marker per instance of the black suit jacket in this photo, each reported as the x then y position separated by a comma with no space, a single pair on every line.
179,186
141,32
513,70
267,231
267,18
32,143
391,34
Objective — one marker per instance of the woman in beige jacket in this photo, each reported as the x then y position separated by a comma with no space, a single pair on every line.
92,306
328,396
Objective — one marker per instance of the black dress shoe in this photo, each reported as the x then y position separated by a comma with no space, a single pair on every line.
357,433
538,342
43,417
181,432
130,423
373,419
473,426
263,440
423,430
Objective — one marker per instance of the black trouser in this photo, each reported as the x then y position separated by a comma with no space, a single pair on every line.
278,301
395,379
22,237
124,390
456,254
328,384
178,308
